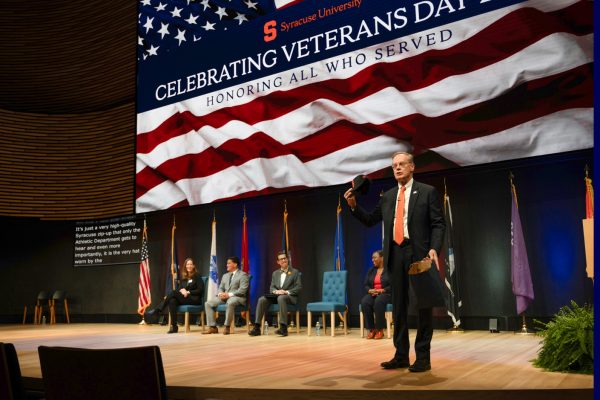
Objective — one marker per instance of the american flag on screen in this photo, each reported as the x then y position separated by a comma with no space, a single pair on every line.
509,83
165,25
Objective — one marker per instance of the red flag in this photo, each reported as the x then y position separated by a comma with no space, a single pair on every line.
144,298
588,226
245,260
589,198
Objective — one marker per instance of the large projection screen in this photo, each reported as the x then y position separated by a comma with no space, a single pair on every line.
242,98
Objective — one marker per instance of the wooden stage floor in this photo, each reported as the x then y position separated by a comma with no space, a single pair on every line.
465,366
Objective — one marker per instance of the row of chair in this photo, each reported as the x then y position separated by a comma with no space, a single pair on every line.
333,302
74,373
44,299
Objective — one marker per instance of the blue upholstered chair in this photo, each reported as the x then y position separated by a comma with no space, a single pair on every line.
334,300
222,308
194,309
388,320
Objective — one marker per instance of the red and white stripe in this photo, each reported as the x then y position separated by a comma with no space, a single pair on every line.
144,298
511,83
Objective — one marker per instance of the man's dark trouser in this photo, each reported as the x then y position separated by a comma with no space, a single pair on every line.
400,259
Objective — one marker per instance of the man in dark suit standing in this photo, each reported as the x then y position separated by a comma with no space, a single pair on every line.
413,226
285,286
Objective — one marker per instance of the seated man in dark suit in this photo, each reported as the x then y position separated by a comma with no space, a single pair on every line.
232,291
286,285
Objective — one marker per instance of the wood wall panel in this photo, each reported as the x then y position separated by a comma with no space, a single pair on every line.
67,113
78,166
67,57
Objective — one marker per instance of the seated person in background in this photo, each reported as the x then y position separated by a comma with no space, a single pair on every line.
232,291
377,284
286,286
190,293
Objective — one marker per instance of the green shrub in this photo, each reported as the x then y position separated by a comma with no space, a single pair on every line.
568,341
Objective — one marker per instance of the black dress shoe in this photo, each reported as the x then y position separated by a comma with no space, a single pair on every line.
420,366
281,332
254,332
395,363
173,329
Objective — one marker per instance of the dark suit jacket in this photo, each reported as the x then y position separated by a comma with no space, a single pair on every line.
195,286
292,283
385,280
426,223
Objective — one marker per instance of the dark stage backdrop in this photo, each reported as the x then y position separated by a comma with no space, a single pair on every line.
38,255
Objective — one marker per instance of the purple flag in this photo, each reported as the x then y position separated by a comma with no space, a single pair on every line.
520,274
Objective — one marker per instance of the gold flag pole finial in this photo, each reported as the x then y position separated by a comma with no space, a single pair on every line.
214,215
513,188
445,193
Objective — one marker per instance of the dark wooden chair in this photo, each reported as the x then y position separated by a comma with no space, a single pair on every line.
101,374
43,299
59,296
11,383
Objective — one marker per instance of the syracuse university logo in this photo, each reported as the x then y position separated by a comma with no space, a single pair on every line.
270,31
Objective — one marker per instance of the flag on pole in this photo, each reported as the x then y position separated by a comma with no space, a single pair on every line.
173,271
520,274
382,226
213,276
453,301
339,261
145,297
588,226
245,260
589,197
285,239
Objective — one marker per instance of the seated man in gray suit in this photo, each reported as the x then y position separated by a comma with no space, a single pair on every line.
232,291
285,288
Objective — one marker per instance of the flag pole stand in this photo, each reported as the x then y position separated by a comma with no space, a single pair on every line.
143,322
524,331
455,329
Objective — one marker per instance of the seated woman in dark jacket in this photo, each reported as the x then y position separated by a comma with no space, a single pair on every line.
377,284
191,291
